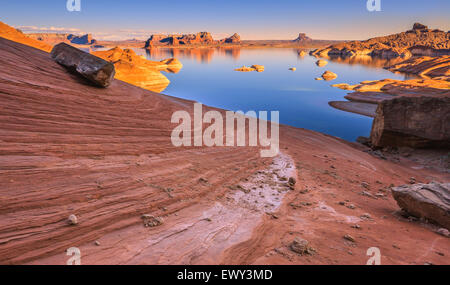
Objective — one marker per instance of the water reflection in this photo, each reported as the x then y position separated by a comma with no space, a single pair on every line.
366,60
203,55
208,77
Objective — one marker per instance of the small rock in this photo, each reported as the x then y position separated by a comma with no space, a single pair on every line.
97,243
443,232
204,180
412,180
292,180
321,62
351,206
152,221
293,69
328,75
365,185
73,220
366,216
342,203
299,246
349,238
363,140
356,226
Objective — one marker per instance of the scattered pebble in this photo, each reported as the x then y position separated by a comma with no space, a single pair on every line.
356,226
301,246
97,243
366,216
443,232
365,185
152,221
349,238
73,220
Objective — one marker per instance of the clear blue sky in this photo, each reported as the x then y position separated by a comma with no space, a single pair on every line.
252,19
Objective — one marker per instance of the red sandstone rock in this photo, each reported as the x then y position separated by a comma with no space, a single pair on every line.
427,201
420,121
419,41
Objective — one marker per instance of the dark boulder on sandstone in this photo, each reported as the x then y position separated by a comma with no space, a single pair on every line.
418,122
97,70
429,201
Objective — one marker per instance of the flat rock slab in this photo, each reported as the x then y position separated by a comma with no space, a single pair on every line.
368,97
430,201
365,109
97,70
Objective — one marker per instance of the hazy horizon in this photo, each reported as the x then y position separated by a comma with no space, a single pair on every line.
253,20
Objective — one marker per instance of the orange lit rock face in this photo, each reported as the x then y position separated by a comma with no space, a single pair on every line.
202,38
419,41
138,71
55,38
12,34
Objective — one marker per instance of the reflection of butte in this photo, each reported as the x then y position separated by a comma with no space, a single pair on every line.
203,55
233,52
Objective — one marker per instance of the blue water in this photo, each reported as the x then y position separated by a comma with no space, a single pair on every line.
208,77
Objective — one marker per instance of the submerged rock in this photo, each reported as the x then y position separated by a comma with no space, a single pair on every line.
97,70
429,201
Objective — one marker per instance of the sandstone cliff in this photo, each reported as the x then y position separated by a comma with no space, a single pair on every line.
202,38
55,38
419,41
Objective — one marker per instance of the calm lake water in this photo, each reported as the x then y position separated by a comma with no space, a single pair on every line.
208,77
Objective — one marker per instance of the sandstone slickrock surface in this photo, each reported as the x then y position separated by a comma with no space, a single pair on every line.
95,69
105,155
12,34
419,41
362,108
428,67
429,201
421,121
138,71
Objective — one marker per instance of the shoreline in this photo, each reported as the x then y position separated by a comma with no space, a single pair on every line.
111,161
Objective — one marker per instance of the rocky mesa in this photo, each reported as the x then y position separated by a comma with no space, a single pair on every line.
419,41
55,38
